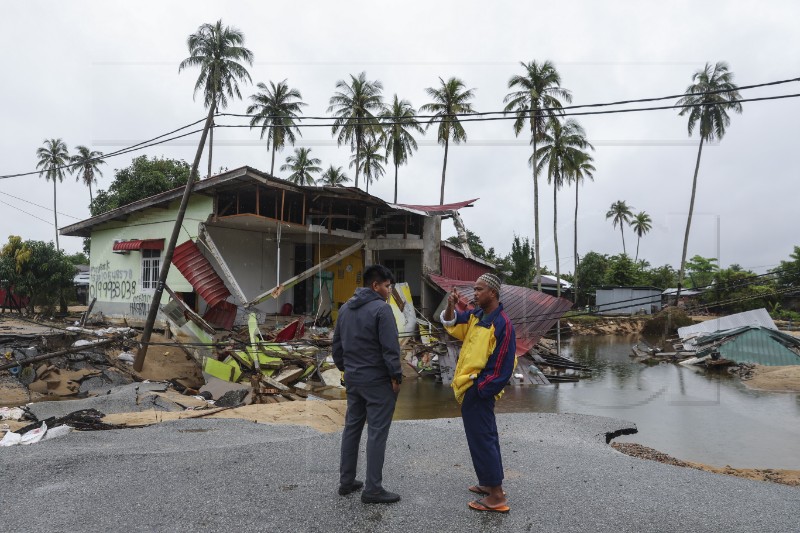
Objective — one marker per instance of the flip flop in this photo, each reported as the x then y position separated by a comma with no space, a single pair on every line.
478,505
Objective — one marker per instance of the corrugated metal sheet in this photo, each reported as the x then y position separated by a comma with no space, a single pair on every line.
439,208
145,244
533,313
752,344
199,273
221,315
456,266
756,317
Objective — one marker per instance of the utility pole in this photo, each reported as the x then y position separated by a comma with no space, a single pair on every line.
138,363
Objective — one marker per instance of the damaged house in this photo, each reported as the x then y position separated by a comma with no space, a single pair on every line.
253,241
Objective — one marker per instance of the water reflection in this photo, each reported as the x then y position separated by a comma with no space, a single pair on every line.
691,414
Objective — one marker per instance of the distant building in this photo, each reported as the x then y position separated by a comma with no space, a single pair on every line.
628,300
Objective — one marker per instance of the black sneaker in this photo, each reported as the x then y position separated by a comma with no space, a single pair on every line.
383,496
344,490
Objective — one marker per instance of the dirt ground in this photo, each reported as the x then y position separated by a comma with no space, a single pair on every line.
784,477
170,362
775,378
324,416
607,326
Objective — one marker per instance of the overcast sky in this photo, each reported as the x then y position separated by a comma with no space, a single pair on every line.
105,74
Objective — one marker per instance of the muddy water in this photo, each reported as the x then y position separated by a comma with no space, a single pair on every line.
708,418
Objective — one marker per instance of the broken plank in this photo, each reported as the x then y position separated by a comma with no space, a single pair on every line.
275,384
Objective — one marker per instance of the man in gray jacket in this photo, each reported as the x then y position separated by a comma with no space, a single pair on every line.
366,348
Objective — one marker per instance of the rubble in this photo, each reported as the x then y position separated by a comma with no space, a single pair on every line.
189,372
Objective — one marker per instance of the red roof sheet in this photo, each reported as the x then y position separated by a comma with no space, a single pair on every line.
439,208
532,312
199,273
456,266
146,244
221,315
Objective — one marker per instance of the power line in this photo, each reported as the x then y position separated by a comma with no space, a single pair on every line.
473,118
468,117
554,109
138,146
29,214
37,205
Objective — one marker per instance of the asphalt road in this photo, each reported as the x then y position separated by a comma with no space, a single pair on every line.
232,475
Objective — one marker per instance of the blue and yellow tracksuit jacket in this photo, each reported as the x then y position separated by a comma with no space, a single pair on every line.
488,353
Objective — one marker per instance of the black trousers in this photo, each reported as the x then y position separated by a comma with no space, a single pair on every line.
373,404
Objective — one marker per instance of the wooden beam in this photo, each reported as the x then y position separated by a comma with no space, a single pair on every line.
258,199
283,201
205,237
291,282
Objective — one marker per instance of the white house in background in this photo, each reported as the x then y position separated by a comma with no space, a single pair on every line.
628,300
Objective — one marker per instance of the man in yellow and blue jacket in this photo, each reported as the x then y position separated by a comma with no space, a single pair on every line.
485,365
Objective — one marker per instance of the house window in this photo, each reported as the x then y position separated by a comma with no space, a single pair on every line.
398,268
151,266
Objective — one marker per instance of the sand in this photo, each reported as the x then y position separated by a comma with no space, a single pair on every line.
775,378
324,416
784,477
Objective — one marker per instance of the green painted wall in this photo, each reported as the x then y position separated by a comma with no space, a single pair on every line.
115,279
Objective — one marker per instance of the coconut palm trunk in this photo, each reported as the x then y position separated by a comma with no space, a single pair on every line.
444,168
575,247
536,218
55,214
395,182
358,154
622,232
689,219
555,237
272,165
210,148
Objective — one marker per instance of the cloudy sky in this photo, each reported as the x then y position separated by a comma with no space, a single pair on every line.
105,74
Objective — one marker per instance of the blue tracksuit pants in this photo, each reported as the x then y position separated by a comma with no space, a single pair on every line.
482,439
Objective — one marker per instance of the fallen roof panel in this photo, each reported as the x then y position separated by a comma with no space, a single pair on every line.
532,312
756,317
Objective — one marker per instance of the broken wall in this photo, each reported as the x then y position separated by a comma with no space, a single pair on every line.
252,258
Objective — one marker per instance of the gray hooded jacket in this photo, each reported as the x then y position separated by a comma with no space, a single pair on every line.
365,343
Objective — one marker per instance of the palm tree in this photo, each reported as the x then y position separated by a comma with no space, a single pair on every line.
450,99
86,163
276,108
400,143
582,169
641,224
219,51
355,106
371,162
302,166
334,177
710,111
537,98
562,146
53,161
620,213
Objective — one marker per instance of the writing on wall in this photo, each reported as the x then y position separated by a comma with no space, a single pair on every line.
107,284
140,305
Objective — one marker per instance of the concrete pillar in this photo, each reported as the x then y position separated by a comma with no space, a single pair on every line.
431,262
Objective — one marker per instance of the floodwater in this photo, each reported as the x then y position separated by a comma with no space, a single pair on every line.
692,415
